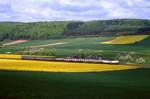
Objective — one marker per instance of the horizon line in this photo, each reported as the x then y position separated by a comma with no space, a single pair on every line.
74,20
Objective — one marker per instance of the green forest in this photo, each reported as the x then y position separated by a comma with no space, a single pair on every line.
60,29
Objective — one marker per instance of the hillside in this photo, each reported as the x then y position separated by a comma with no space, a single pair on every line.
111,27
59,29
83,47
35,30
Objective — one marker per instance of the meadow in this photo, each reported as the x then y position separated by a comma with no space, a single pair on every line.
83,47
126,84
24,79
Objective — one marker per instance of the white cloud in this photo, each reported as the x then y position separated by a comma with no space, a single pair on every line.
124,8
41,10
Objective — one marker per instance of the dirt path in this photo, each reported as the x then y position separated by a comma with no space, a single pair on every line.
15,42
52,44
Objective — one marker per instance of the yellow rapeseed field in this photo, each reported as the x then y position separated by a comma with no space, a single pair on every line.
126,39
9,56
27,65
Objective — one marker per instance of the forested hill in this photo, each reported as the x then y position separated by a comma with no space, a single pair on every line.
58,29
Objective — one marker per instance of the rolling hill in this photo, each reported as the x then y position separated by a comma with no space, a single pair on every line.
76,40
61,29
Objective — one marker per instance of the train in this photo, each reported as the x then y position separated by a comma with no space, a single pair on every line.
80,60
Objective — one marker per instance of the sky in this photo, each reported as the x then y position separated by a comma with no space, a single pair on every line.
62,10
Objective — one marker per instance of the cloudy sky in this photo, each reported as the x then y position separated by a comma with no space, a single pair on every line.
54,10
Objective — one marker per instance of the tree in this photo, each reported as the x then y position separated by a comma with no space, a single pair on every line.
1,45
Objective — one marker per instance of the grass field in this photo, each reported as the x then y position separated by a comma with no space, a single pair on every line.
24,79
92,43
82,46
126,84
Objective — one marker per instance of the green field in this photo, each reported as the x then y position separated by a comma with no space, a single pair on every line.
128,84
75,39
125,84
82,47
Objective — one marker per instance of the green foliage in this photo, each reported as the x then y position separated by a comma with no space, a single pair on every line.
35,30
112,27
59,29
1,44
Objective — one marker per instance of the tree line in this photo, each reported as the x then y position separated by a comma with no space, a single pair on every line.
59,29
